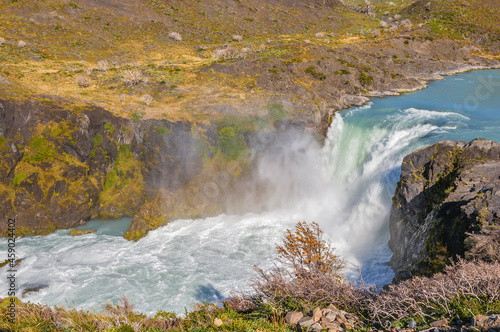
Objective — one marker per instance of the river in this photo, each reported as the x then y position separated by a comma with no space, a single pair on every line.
346,185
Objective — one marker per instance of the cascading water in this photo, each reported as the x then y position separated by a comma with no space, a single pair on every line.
346,186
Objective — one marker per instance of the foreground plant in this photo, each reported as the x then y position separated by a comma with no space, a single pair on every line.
308,275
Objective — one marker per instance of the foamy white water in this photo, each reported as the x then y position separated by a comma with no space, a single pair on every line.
346,186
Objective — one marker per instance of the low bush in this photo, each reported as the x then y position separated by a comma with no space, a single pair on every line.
103,65
312,71
132,76
83,81
175,36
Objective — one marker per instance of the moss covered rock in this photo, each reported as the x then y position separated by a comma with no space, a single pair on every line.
447,204
78,232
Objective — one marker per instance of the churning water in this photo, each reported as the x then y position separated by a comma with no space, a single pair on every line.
346,186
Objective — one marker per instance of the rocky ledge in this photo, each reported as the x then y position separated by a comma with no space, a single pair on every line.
447,204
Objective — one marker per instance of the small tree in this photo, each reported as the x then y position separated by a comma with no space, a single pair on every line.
309,275
306,253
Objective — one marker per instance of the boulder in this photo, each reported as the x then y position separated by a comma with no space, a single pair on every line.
305,322
317,314
315,327
218,322
293,317
439,323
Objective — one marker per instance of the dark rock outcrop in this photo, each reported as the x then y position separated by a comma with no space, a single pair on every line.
446,204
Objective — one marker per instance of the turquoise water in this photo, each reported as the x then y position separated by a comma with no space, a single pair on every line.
346,185
108,227
366,145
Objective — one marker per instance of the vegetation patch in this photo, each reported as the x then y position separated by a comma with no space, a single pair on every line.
365,79
277,111
231,133
40,150
18,178
312,71
122,192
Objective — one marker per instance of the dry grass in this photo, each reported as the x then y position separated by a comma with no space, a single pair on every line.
132,77
464,290
119,316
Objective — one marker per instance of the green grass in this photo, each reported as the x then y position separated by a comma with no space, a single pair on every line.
18,178
41,150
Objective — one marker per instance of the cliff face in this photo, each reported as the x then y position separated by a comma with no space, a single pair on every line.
447,203
61,165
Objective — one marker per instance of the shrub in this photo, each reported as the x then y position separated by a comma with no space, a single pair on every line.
277,111
312,71
175,36
365,79
97,140
110,128
132,76
231,141
42,150
225,53
147,99
464,290
103,65
310,274
83,81
137,115
306,253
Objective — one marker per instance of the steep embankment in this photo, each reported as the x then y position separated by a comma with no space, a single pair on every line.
63,165
446,204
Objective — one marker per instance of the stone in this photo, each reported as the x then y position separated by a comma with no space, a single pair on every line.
346,326
341,319
327,311
332,307
331,316
439,323
317,313
480,321
78,232
293,317
315,327
412,324
332,326
305,322
217,322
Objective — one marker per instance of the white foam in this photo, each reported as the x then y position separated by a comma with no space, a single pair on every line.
346,186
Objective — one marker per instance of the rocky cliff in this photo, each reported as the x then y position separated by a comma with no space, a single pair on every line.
446,204
62,165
